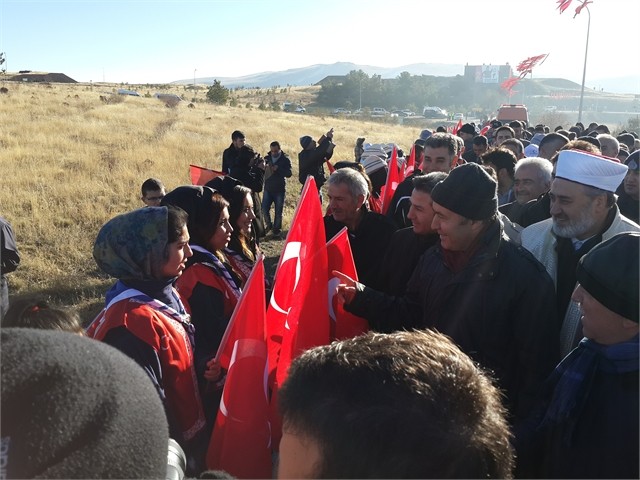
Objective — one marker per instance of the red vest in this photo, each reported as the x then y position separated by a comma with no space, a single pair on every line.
169,339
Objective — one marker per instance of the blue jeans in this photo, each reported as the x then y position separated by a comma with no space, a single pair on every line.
278,199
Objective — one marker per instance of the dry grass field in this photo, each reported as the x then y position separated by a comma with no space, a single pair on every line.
71,161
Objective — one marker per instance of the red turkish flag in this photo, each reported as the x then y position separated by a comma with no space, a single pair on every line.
411,163
241,440
201,175
581,6
339,255
457,127
297,315
563,4
392,181
298,308
330,167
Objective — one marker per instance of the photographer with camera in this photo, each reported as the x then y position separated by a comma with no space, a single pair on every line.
249,169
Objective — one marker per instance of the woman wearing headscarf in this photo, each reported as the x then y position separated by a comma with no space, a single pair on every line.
144,317
209,285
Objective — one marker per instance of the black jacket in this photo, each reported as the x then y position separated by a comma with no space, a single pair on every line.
369,242
311,162
403,254
275,181
500,310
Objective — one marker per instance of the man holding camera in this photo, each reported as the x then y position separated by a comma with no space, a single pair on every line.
313,156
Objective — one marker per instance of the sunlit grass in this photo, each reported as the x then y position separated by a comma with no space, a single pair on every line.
70,162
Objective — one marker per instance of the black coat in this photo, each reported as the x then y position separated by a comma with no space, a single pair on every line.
403,254
500,310
275,181
311,162
369,242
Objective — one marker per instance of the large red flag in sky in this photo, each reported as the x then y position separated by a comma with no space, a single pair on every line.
241,439
343,324
201,175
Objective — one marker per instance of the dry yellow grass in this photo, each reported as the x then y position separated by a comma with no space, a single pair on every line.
70,162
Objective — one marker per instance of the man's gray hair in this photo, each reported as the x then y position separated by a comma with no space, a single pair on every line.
353,179
543,166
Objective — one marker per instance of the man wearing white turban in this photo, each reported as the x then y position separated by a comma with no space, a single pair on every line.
584,213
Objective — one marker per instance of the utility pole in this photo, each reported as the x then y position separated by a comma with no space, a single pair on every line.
584,69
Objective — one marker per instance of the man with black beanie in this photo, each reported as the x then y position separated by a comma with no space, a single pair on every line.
312,157
73,407
476,286
588,422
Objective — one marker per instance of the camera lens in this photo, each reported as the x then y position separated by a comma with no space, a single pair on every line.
176,461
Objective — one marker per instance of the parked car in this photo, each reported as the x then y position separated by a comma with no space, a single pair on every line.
286,106
341,111
458,116
402,113
300,109
434,112
378,111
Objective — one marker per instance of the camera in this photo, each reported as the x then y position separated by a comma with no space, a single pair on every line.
176,461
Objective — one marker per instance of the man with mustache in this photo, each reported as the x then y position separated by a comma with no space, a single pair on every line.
584,213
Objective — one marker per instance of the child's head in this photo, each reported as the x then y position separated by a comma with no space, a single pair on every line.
31,313
152,192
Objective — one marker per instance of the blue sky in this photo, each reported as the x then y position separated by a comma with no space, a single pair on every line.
139,41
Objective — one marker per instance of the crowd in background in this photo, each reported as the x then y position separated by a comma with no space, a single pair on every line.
498,275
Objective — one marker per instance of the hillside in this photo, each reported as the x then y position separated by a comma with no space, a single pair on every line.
71,161
314,73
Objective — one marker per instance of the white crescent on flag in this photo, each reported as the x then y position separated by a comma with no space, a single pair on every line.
292,250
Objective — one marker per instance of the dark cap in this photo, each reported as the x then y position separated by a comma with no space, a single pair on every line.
73,407
633,160
610,271
468,191
224,185
467,128
305,141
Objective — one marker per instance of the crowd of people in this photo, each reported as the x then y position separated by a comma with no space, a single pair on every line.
499,281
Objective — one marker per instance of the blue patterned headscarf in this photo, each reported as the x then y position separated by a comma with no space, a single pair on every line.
133,245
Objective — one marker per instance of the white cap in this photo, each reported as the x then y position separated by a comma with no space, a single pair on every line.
591,170
531,150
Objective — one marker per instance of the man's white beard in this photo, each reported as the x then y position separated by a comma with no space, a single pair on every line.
576,227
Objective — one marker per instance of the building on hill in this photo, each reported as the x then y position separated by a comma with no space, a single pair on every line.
488,73
42,77
331,80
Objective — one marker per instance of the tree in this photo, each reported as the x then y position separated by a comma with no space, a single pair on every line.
217,93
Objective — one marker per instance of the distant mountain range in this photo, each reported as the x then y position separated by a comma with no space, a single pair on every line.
314,73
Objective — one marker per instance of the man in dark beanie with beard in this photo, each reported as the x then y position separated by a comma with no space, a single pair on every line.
477,287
